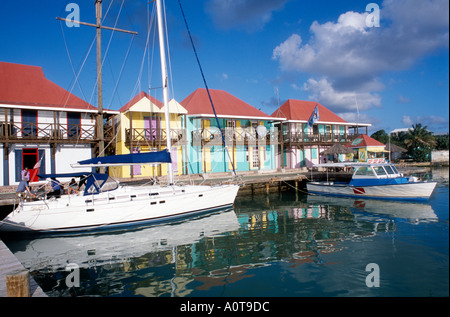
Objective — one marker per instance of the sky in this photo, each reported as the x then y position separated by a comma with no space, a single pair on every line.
382,62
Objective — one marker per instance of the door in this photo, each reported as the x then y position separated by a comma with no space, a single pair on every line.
136,168
151,125
29,159
29,123
174,157
73,125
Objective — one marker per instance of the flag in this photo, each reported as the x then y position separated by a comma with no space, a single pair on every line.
314,117
38,164
35,170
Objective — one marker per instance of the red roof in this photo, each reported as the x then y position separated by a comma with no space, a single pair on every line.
138,97
302,110
364,140
27,86
225,104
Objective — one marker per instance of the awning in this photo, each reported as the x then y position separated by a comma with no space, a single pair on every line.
377,150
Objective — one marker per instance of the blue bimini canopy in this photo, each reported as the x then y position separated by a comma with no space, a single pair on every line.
62,175
128,159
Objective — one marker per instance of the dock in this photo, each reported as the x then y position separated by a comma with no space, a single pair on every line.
8,264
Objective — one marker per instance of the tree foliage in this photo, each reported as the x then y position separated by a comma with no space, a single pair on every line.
418,141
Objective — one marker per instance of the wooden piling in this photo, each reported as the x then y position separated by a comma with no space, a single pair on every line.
18,283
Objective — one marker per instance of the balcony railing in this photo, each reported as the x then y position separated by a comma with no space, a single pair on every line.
249,136
238,136
22,131
140,136
310,138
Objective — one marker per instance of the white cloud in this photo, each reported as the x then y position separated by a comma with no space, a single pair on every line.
350,56
407,121
436,122
340,101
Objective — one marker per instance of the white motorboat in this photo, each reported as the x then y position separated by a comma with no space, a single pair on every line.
378,181
105,203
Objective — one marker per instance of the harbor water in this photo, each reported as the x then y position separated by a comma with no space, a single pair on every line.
288,244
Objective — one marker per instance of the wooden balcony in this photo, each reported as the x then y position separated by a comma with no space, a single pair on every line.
154,137
239,136
299,138
246,136
52,133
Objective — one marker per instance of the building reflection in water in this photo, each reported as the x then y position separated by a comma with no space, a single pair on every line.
209,252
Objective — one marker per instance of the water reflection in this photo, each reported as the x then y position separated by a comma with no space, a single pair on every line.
203,256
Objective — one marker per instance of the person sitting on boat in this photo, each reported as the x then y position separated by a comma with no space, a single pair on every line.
24,188
82,181
56,189
73,187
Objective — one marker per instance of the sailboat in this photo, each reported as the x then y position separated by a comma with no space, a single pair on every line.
106,204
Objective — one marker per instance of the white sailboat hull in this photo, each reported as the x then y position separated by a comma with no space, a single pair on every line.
409,191
120,207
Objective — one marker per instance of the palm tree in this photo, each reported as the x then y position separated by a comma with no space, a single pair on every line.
419,142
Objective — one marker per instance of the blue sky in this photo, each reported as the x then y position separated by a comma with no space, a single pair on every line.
309,50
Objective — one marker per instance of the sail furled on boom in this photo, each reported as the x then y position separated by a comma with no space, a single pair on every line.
128,159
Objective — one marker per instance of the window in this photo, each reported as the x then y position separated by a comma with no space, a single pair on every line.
364,171
73,125
315,129
29,123
379,170
389,170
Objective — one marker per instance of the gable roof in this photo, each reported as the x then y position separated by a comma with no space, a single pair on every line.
148,99
301,110
24,85
226,105
364,140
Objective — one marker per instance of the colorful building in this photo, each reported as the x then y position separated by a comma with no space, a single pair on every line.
42,122
301,144
141,128
249,134
368,149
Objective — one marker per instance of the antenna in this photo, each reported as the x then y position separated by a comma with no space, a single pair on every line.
357,114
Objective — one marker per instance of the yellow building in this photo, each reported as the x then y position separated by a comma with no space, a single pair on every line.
141,128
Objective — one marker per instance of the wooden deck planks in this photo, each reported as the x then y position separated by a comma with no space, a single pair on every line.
8,263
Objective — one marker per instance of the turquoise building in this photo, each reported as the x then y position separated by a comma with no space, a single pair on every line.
250,135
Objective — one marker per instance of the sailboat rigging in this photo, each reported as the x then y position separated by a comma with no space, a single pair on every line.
106,204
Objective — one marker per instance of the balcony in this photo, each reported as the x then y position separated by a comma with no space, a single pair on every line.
154,137
250,136
236,136
48,132
300,138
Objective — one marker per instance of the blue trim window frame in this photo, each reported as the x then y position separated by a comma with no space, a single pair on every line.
29,122
73,125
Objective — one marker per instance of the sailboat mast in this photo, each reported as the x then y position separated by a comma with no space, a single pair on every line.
165,83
